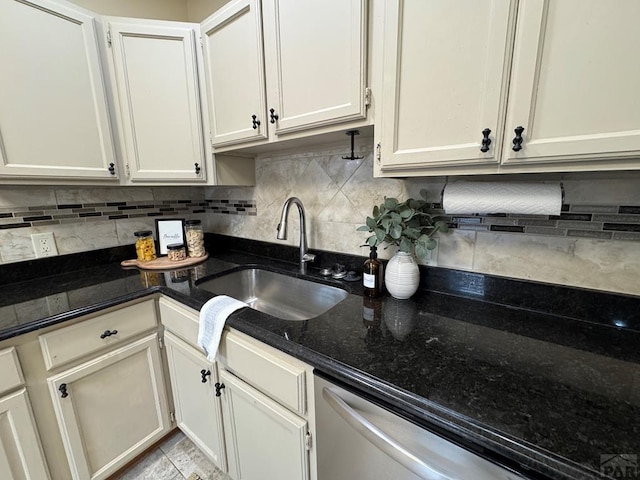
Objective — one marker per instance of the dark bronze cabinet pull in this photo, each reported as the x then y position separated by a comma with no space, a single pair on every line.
255,122
486,141
517,141
112,168
205,374
197,168
63,390
108,333
219,386
273,115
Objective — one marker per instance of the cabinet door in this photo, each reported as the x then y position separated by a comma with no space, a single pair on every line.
264,440
573,83
315,56
20,451
198,411
111,409
234,72
53,106
156,73
445,81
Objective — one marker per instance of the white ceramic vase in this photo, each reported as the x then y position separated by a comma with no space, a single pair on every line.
402,276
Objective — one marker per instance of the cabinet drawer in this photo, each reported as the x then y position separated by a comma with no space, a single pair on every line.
180,320
11,373
69,343
266,369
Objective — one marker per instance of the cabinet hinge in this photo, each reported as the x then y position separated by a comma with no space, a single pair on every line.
367,97
109,37
127,170
308,441
378,151
172,417
161,344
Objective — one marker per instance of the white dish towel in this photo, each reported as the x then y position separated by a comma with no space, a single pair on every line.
213,316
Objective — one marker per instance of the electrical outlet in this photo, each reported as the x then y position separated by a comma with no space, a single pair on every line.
58,303
44,244
431,259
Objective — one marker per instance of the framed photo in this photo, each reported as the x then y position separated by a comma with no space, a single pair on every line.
169,230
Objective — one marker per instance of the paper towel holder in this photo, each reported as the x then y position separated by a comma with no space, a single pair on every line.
447,183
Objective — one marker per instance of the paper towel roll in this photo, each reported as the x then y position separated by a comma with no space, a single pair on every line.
496,197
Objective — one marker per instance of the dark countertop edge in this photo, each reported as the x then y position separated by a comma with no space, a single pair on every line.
516,454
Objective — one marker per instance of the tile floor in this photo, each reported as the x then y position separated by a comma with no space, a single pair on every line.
176,458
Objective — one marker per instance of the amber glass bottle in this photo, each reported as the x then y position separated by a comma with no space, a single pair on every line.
372,275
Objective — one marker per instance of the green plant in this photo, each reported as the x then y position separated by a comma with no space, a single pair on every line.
407,225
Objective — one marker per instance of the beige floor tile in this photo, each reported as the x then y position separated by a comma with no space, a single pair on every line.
154,466
189,459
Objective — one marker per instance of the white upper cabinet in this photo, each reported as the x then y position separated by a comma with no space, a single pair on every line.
53,107
315,56
445,81
574,82
558,72
157,83
234,72
279,67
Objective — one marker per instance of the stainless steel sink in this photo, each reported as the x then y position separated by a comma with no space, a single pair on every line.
279,295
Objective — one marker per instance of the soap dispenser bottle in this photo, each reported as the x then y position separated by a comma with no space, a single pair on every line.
372,275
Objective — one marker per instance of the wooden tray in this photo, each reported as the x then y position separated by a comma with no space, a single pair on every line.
163,263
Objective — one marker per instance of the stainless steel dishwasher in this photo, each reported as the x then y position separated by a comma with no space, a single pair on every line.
357,440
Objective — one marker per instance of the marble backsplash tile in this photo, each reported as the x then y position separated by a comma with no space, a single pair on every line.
338,195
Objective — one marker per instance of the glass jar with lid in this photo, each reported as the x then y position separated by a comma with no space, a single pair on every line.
195,238
176,252
145,246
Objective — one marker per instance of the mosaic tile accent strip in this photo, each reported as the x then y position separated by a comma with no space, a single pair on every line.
33,216
603,222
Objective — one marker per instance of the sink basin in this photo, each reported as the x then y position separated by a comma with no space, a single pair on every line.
278,295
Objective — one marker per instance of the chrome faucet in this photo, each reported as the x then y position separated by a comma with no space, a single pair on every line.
305,257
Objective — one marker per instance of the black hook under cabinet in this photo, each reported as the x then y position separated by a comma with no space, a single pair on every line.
112,168
108,333
63,390
273,115
219,386
205,373
255,123
197,168
486,141
517,140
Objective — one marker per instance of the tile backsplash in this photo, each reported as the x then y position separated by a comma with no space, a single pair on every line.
594,243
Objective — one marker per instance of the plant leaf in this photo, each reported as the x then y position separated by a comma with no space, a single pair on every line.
371,223
363,228
372,241
395,218
376,211
405,211
390,203
431,244
395,232
442,226
405,245
380,234
421,251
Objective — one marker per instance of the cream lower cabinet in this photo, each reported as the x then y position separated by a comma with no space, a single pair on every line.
21,456
264,439
268,422
111,408
197,410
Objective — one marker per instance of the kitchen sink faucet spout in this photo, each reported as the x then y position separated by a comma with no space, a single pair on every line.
282,231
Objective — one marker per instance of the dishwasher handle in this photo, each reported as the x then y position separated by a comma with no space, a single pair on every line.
380,439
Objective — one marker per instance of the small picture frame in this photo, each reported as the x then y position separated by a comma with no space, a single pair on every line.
169,230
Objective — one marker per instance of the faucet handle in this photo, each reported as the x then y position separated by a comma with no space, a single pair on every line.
308,257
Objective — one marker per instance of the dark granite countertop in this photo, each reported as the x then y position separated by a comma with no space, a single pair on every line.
544,393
